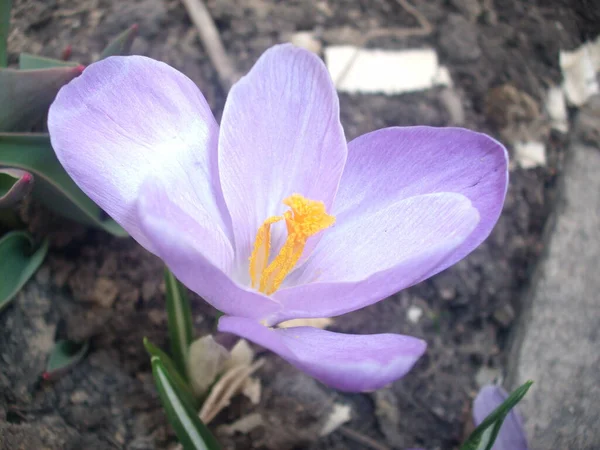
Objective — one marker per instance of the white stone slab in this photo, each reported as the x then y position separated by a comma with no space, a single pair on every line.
579,68
384,71
530,154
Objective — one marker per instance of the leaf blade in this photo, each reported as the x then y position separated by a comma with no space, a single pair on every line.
14,185
18,262
64,356
121,45
28,61
26,95
33,153
484,436
190,430
181,384
5,7
180,324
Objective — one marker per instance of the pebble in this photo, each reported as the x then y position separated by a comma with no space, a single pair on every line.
414,314
105,292
307,41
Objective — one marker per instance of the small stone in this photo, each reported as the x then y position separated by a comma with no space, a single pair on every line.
414,314
157,316
504,315
42,276
487,375
119,438
307,41
530,154
105,292
149,289
78,397
556,106
458,39
447,293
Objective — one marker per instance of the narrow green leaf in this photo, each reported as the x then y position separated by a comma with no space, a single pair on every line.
63,357
19,259
484,436
176,377
14,185
180,321
121,44
53,187
27,61
26,95
191,432
5,7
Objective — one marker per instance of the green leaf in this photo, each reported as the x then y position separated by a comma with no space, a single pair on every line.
53,187
191,432
5,7
176,377
26,95
63,357
19,259
484,436
180,321
27,61
14,185
121,44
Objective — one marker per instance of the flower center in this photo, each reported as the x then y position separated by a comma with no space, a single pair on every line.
305,219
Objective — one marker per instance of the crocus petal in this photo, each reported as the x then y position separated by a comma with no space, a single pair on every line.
512,433
347,362
197,251
280,135
370,256
395,163
126,118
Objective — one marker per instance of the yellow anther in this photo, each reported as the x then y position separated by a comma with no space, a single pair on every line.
305,219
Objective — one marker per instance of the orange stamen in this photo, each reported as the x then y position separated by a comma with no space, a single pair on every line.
305,219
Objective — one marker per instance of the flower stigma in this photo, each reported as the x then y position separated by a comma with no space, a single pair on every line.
305,219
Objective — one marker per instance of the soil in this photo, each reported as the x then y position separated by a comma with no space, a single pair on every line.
503,55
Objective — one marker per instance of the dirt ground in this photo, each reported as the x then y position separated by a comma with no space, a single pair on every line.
503,56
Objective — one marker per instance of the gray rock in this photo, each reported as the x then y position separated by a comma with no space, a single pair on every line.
458,39
557,337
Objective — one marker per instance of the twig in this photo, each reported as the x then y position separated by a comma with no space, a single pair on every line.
424,29
211,40
363,439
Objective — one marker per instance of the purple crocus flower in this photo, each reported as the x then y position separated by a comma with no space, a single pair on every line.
512,433
273,216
